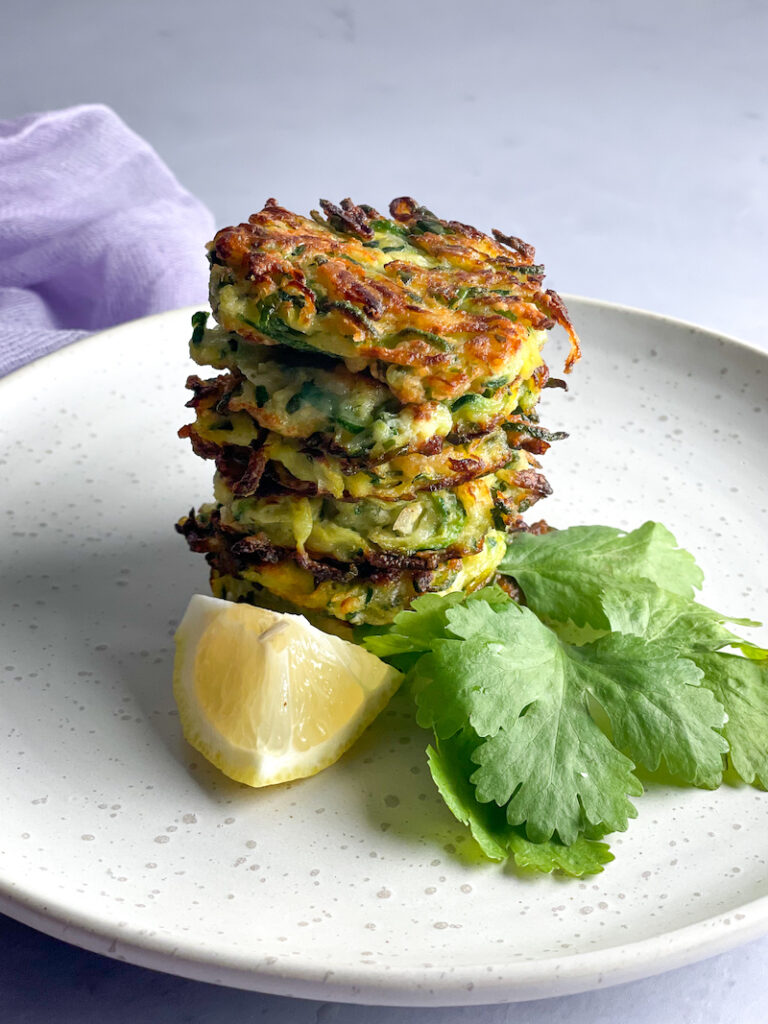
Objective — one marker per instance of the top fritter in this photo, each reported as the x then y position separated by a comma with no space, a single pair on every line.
432,308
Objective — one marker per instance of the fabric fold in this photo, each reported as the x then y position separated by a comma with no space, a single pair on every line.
95,230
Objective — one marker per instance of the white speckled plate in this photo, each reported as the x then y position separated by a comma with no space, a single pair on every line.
357,884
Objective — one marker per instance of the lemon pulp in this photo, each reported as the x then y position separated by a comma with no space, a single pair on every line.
267,697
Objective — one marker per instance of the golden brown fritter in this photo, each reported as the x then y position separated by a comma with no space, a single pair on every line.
374,426
348,414
432,308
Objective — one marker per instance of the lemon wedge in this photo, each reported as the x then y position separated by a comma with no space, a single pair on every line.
267,697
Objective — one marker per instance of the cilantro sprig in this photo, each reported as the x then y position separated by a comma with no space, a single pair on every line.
543,710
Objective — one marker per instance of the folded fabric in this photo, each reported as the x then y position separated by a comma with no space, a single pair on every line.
94,230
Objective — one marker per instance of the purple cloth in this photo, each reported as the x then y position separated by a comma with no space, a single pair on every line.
94,230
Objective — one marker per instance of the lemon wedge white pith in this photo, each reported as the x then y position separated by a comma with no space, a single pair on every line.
267,697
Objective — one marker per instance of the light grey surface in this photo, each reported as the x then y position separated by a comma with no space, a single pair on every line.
44,982
628,142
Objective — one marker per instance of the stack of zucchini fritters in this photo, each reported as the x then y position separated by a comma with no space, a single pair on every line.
374,430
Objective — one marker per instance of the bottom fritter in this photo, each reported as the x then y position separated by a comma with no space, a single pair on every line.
374,599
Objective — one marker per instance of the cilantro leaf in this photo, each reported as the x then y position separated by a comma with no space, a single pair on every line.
450,765
564,574
643,609
413,631
741,686
656,707
540,713
556,771
543,756
552,767
450,768
752,651
639,683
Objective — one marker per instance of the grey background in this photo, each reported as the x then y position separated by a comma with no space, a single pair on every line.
628,141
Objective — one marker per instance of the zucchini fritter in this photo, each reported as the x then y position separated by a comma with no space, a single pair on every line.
301,395
374,423
432,527
432,308
374,599
258,462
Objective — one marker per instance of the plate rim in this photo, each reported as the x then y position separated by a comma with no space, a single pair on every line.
517,982
549,976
